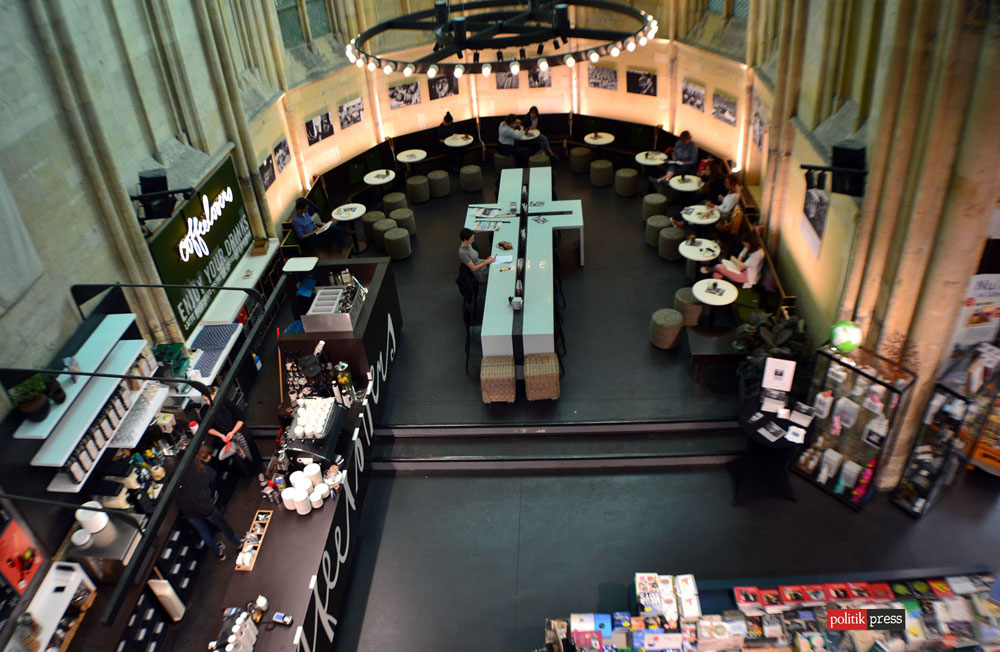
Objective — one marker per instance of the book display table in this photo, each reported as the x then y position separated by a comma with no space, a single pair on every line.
764,465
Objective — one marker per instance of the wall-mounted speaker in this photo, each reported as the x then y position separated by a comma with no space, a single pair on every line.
849,154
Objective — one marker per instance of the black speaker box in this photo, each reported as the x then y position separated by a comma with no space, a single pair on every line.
153,181
849,154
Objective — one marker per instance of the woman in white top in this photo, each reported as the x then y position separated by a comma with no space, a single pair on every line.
747,266
731,198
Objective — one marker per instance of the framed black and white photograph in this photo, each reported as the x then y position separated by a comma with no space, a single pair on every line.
778,374
282,156
640,82
404,94
600,77
814,213
442,86
539,78
506,81
693,94
318,128
724,107
351,112
325,125
267,171
758,122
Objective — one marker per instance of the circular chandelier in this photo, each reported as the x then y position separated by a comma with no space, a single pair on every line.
496,26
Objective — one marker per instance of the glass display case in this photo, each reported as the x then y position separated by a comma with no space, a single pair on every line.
955,416
855,397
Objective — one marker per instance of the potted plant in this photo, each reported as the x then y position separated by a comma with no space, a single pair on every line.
30,399
54,390
770,335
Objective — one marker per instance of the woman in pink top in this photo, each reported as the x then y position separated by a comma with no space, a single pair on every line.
748,266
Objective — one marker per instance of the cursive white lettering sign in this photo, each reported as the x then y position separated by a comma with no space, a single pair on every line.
193,241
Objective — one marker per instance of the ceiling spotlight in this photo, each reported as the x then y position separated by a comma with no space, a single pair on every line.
461,54
543,64
569,60
523,54
593,56
556,44
409,70
614,50
388,68
515,67
630,45
458,71
499,56
564,40
486,69
351,57
372,64
360,63
475,57
541,48
643,40
432,71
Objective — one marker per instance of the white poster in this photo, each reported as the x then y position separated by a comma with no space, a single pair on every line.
814,212
979,317
778,374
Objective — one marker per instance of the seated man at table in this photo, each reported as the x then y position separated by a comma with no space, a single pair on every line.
511,143
682,160
470,257
744,269
309,234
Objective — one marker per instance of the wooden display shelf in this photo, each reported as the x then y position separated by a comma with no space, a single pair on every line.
76,623
257,521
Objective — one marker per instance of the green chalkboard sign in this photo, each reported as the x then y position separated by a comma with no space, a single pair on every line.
202,243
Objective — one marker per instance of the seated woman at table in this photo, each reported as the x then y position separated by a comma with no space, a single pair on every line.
469,257
511,143
730,200
443,131
748,266
713,176
530,121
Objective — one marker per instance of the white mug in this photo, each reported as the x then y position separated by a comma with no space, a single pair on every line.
262,602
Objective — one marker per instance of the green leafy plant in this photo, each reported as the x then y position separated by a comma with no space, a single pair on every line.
770,335
28,389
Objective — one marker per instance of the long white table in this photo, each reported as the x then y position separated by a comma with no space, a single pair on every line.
544,216
498,316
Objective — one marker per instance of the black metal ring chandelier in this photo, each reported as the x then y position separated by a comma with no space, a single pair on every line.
497,25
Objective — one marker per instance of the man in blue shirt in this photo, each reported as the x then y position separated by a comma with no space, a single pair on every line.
683,159
308,233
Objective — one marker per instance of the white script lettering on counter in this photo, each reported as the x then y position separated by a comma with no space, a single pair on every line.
193,242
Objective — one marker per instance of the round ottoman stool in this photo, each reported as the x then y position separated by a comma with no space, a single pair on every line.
471,178
654,224
404,219
539,160
367,221
665,328
579,159
602,173
417,189
626,182
689,307
392,201
440,183
654,204
380,228
397,243
502,161
670,238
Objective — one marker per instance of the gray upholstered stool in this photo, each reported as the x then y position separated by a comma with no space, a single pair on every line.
602,173
405,220
471,178
579,159
380,228
417,189
654,224
689,307
670,238
397,243
539,160
654,204
502,162
367,221
626,182
440,183
392,201
665,328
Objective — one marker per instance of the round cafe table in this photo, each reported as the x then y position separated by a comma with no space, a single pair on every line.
350,213
700,250
686,183
599,138
411,156
699,214
712,293
458,140
380,177
531,134
651,158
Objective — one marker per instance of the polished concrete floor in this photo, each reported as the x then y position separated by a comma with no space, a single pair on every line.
613,374
479,562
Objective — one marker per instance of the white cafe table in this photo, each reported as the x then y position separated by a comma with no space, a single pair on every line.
686,182
411,156
380,177
531,134
350,213
699,214
699,250
458,140
651,158
300,264
599,138
728,294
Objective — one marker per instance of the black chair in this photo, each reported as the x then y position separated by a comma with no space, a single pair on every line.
473,331
557,273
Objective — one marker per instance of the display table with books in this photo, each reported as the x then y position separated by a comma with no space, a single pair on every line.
772,439
917,610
